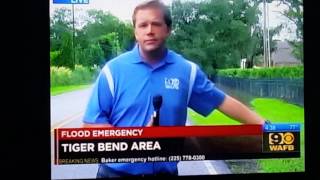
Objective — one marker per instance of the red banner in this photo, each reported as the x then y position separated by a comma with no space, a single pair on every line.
157,132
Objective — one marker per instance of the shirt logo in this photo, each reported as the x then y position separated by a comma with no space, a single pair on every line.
171,83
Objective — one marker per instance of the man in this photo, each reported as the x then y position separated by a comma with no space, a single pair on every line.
123,92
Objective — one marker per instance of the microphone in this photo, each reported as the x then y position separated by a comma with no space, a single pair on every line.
157,102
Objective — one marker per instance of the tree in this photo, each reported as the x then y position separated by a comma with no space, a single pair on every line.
110,45
112,35
213,33
65,58
218,33
95,55
294,13
60,23
100,23
101,37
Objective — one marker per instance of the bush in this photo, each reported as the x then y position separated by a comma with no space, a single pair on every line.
80,75
94,70
62,76
275,72
53,56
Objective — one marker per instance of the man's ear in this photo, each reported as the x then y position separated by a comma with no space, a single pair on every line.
134,31
169,31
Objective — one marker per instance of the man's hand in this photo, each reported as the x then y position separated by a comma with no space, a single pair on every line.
150,123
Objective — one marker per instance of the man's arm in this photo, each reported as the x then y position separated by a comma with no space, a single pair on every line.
99,105
87,125
238,111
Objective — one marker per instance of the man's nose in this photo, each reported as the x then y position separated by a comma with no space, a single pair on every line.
150,29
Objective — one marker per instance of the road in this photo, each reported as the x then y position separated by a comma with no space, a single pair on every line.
67,111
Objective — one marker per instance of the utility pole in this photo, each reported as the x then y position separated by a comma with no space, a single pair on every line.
264,34
266,37
73,35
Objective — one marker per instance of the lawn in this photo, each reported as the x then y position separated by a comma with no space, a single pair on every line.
63,89
275,110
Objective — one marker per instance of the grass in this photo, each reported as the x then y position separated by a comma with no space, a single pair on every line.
63,89
275,110
215,118
279,111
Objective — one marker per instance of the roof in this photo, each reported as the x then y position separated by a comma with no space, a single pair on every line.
283,54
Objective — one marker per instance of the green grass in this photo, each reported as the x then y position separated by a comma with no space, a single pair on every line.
215,118
63,89
275,110
279,111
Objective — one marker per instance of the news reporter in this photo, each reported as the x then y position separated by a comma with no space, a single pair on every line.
123,92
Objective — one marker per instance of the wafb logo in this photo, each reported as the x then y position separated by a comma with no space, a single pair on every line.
281,141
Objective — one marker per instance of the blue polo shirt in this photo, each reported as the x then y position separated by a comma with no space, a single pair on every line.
123,92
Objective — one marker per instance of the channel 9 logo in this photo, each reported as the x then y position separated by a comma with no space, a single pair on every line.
281,141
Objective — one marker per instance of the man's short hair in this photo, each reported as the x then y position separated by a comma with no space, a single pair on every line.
154,4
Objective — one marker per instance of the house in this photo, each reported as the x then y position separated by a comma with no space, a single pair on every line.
283,56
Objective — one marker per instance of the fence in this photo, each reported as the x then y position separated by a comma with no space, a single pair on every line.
290,90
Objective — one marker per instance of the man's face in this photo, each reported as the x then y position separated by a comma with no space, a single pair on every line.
150,30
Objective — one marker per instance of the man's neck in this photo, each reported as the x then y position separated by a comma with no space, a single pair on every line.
153,57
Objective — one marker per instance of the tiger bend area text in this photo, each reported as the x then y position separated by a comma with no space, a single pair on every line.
165,144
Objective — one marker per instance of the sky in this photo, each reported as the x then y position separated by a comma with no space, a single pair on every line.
276,18
123,9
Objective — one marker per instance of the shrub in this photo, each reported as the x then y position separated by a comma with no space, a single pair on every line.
61,76
53,56
275,72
